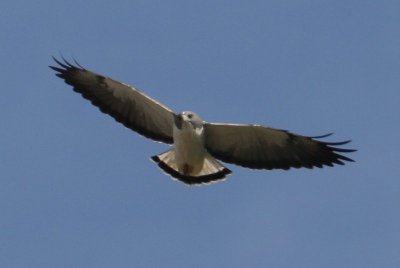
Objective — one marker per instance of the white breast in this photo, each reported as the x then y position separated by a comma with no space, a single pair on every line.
189,149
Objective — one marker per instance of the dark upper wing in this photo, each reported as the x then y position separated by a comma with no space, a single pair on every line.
259,147
124,103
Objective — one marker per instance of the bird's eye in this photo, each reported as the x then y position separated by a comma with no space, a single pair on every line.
190,116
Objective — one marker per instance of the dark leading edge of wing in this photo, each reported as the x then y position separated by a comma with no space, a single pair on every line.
124,103
260,147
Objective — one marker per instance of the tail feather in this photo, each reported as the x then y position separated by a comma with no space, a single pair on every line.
212,170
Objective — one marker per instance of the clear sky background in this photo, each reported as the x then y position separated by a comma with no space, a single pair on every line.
77,189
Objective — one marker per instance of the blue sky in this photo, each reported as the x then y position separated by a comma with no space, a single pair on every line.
78,190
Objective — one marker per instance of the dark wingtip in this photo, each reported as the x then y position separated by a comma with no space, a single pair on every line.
57,69
339,158
62,64
332,147
77,64
322,136
337,143
66,65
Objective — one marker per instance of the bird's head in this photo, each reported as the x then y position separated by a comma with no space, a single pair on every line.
188,119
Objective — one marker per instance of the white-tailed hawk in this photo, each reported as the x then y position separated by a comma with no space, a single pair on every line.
196,144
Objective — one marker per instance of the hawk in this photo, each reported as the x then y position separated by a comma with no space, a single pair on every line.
197,145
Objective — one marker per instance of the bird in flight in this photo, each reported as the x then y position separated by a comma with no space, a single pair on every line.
197,145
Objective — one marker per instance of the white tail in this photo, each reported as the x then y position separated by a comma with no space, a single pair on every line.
212,170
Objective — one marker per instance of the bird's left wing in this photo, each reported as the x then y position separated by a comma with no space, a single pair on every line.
124,103
259,147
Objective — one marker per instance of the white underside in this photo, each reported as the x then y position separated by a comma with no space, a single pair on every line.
189,150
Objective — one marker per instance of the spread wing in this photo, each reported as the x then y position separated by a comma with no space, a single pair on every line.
260,147
124,103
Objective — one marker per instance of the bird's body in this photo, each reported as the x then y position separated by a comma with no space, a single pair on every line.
196,144
188,159
189,147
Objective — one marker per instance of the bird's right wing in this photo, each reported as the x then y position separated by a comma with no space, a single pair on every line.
259,147
124,103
